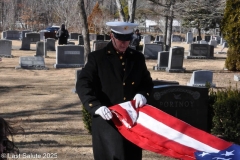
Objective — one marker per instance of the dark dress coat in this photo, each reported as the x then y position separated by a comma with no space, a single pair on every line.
62,35
104,82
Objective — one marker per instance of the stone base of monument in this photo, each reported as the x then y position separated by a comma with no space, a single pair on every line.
170,70
156,68
236,78
7,56
70,43
201,85
36,67
197,57
68,65
221,52
31,62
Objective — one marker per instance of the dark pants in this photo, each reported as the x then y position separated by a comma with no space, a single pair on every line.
109,144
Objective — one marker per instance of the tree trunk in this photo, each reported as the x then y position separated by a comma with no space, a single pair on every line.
131,10
165,33
199,31
85,32
169,39
120,11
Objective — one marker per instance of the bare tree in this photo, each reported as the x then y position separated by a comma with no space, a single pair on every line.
85,32
120,10
131,10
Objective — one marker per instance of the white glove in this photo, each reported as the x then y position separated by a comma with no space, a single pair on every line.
140,100
104,112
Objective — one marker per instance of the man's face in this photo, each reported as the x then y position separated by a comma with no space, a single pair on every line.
120,46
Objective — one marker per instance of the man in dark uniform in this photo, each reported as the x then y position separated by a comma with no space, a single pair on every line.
62,35
113,75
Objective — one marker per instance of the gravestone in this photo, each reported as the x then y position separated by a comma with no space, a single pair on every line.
106,37
162,62
200,51
69,56
34,37
189,104
42,34
74,35
31,62
146,39
189,37
203,42
198,38
99,45
23,34
159,38
41,49
5,48
93,37
80,40
77,73
50,44
201,78
12,35
100,37
213,43
50,35
176,38
207,38
218,39
225,45
222,41
151,50
3,34
26,43
175,61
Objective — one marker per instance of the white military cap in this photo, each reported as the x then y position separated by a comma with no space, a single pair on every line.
122,27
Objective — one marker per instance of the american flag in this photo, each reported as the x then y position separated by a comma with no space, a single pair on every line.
159,132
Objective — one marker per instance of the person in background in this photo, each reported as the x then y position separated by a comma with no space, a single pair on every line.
136,39
62,35
113,75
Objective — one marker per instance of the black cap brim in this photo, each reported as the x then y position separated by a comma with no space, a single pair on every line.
123,37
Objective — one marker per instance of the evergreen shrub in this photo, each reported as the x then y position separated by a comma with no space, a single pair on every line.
87,120
226,114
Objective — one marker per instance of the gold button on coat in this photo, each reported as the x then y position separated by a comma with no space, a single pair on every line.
124,98
123,63
90,104
124,84
132,83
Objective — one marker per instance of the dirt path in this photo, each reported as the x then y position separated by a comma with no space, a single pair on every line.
50,113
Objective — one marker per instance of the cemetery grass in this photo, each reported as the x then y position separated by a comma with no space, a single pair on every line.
43,104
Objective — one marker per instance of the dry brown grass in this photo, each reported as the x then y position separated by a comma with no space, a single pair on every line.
43,102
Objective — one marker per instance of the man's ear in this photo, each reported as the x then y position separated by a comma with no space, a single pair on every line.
111,35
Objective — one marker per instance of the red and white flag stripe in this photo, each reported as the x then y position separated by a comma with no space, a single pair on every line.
157,131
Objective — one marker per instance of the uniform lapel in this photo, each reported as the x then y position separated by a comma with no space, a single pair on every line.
129,64
115,64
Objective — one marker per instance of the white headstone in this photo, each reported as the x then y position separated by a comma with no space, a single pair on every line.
201,78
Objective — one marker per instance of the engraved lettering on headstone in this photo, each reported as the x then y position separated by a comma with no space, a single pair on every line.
71,52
